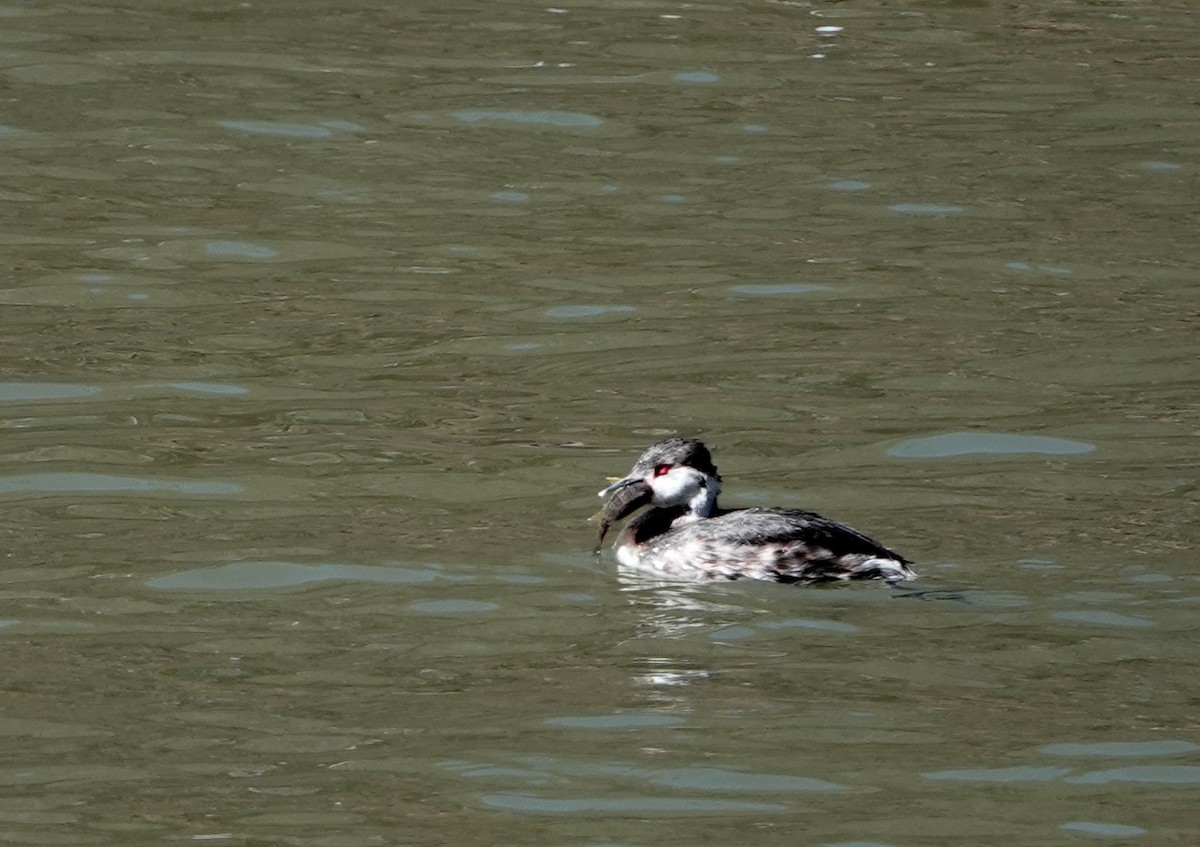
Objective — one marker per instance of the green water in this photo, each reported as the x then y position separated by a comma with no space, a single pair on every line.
322,325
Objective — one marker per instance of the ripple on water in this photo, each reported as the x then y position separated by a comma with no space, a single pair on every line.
259,576
732,633
718,779
1151,578
453,607
706,779
220,250
626,806
1157,774
1112,830
1166,747
966,443
582,311
211,388
289,130
777,289
566,120
1161,166
15,392
1103,618
696,77
810,623
620,720
100,291
92,483
926,209
239,249
1014,774
1048,269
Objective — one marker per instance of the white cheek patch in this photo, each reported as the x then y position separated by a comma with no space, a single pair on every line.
676,486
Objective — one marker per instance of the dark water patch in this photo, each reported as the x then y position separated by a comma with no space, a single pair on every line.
260,576
849,185
996,443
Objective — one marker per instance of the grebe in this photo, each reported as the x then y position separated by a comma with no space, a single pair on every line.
686,535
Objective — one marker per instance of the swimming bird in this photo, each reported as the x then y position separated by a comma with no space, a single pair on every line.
686,535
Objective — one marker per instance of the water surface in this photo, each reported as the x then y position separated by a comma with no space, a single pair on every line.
323,324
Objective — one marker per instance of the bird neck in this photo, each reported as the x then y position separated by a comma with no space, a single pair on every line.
704,501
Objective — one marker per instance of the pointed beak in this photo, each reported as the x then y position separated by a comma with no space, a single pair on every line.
618,484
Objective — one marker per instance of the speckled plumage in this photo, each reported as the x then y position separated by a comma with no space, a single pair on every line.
686,535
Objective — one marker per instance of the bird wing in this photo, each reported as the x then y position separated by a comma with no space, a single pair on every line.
753,527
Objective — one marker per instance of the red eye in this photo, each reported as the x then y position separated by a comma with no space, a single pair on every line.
659,470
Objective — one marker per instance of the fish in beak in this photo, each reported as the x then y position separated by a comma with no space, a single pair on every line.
628,495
